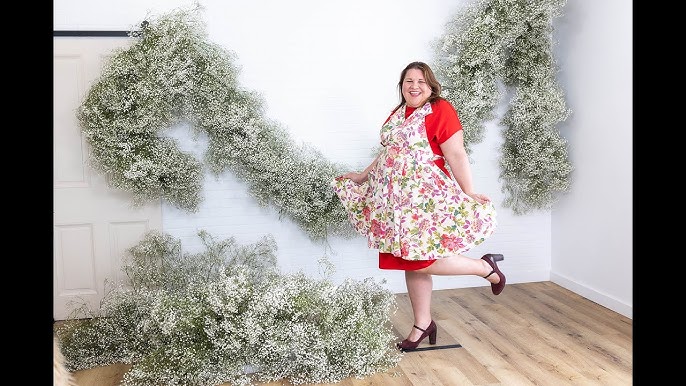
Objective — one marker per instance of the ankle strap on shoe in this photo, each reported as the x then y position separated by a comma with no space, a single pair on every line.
419,328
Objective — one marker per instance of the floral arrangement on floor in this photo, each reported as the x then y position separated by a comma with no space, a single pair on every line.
172,75
229,315
510,41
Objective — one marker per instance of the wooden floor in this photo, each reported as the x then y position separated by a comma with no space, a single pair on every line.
531,334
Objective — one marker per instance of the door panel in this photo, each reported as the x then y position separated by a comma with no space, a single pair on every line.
94,225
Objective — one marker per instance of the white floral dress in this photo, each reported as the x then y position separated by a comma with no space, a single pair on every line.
408,206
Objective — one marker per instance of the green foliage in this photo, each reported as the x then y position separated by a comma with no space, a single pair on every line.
510,41
229,315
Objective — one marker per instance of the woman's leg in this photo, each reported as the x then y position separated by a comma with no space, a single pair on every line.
419,287
460,265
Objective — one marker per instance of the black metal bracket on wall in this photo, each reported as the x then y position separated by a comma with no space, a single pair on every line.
90,33
77,33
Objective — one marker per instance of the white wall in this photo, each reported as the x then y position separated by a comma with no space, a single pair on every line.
328,71
592,226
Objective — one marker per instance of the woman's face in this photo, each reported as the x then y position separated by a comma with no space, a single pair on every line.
415,89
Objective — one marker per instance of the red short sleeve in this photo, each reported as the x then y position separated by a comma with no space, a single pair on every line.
441,124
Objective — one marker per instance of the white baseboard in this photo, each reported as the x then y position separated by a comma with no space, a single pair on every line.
593,295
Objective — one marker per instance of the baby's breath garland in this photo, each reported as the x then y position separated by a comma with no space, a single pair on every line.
171,74
228,315
144,89
511,41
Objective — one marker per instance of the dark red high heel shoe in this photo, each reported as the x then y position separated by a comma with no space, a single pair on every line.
491,259
408,345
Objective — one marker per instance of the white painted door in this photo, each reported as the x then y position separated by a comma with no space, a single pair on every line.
94,225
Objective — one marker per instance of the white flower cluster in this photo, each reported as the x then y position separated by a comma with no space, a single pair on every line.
206,319
494,45
143,90
172,73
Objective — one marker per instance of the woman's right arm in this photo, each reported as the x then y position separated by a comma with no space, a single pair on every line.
361,177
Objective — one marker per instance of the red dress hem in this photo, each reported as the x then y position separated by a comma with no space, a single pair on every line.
388,261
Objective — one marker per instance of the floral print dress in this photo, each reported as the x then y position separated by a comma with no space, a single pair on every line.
408,206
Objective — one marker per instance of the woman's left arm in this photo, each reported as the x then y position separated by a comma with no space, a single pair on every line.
456,155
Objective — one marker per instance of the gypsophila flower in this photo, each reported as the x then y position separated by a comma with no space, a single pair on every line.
510,41
172,74
229,315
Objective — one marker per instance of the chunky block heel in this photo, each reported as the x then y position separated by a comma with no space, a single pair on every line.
431,332
491,259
